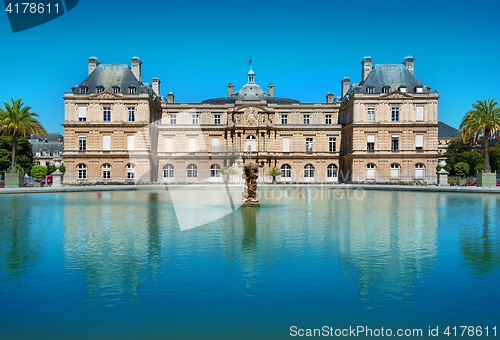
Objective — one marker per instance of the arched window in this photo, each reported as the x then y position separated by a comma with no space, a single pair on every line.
286,172
370,171
309,171
130,171
394,171
332,172
106,171
251,141
82,171
168,171
215,170
419,171
192,171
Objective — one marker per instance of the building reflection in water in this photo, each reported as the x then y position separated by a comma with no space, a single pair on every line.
111,237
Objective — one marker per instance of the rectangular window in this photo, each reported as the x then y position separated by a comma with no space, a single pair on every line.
419,142
370,142
309,144
192,145
395,114
216,119
420,113
195,119
215,144
130,143
306,119
82,113
332,144
328,119
98,89
370,114
83,90
386,89
395,143
131,114
286,144
132,90
106,172
284,119
116,90
173,119
106,114
82,143
370,90
106,143
169,144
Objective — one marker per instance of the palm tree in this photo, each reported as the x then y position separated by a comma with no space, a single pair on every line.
483,121
274,171
18,121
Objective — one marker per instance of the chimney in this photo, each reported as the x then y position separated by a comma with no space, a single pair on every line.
93,63
408,63
329,98
345,85
156,85
366,67
170,98
229,89
270,87
135,65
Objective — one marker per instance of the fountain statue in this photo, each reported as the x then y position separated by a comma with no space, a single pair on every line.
251,172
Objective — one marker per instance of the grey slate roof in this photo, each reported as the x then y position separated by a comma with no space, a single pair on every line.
392,75
447,132
52,137
232,99
109,75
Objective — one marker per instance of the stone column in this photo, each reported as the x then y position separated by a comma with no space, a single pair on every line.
57,179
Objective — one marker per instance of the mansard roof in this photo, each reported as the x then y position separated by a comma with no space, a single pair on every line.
447,132
112,75
389,75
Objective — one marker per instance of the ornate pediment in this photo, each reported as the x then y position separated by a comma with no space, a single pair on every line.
251,116
105,95
396,95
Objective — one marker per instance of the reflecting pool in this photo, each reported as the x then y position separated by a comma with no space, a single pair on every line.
116,265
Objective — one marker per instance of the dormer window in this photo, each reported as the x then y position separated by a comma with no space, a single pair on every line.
84,89
419,89
386,89
116,89
402,89
132,89
99,89
370,89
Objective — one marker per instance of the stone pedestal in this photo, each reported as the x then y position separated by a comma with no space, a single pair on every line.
14,180
442,177
486,179
57,179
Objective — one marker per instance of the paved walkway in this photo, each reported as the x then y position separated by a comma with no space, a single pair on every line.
161,187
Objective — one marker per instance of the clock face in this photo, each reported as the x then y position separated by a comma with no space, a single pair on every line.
250,116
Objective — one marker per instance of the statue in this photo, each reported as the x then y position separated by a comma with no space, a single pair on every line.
249,198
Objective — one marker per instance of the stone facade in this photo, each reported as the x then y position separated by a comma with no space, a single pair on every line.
117,128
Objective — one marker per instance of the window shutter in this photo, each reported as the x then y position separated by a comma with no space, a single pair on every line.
130,143
286,144
419,141
169,145
82,112
371,138
420,113
192,145
215,144
106,143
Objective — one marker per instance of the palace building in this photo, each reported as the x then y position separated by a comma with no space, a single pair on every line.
118,128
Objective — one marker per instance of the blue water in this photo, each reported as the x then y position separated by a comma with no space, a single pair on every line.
116,265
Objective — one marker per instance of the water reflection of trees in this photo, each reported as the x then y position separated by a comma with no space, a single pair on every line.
479,239
112,238
19,246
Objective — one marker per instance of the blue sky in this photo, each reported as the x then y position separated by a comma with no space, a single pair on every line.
304,48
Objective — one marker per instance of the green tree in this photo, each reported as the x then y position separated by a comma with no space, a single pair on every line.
461,169
62,168
226,171
16,120
274,171
38,171
483,121
24,154
51,168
